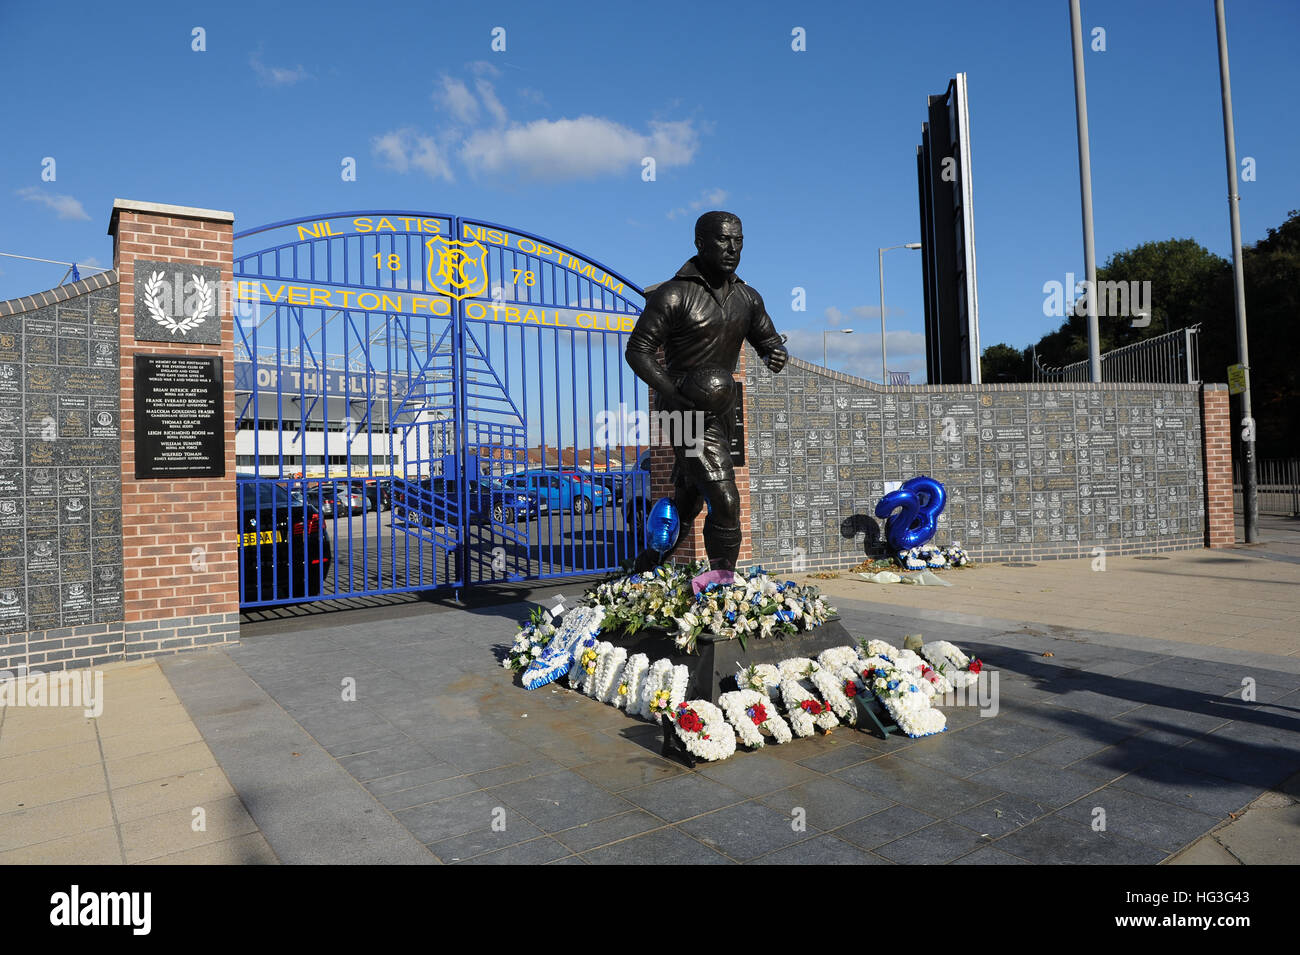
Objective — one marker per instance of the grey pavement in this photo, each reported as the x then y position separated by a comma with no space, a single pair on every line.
1106,748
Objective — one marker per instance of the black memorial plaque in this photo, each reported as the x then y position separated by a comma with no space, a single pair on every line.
738,427
179,417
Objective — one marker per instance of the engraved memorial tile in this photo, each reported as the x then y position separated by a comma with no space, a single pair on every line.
13,615
74,566
103,348
13,573
11,342
77,605
74,416
74,539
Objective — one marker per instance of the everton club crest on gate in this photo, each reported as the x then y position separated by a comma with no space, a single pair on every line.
459,269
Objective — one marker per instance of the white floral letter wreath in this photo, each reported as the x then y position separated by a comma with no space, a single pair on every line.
763,677
742,708
906,702
628,692
713,738
663,689
950,661
800,702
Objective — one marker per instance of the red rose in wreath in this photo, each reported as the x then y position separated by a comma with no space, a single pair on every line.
690,721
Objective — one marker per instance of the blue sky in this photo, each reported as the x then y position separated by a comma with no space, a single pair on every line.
815,150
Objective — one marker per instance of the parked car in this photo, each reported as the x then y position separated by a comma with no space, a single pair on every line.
378,492
432,500
340,499
557,491
284,551
611,482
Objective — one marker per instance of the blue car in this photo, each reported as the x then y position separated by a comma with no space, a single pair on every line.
559,492
433,500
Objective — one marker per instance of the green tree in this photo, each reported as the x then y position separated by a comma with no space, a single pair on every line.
1002,362
1191,285
1181,273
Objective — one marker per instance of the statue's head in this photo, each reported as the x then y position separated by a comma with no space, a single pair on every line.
718,240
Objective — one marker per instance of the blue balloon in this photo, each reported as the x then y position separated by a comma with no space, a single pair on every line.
662,525
938,497
918,502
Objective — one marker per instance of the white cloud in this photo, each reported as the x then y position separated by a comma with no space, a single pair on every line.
404,149
65,207
455,97
709,199
487,93
873,311
859,353
276,75
581,148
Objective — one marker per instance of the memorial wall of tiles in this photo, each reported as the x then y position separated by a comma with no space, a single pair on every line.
60,465
1038,471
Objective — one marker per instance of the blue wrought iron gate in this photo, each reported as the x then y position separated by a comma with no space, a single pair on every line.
426,400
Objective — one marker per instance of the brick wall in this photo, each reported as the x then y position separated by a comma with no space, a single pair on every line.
1220,520
179,536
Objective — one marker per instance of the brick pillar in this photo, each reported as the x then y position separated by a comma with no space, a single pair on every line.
180,559
1216,431
690,545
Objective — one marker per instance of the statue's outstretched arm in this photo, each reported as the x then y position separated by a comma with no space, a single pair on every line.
767,341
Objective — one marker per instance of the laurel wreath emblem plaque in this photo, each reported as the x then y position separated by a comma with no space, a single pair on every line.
184,324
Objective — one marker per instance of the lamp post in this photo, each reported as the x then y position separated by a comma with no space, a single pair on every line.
880,258
843,331
1249,500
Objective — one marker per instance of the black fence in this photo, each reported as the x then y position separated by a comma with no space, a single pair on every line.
1277,486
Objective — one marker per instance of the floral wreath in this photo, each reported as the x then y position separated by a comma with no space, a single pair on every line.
763,677
838,689
609,666
905,701
627,694
806,712
752,711
664,687
704,730
960,669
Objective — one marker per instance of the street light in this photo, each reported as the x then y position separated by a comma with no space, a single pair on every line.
843,331
880,258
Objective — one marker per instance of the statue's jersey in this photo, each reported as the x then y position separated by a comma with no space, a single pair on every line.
696,325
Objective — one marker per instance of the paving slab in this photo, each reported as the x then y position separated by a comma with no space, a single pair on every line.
306,805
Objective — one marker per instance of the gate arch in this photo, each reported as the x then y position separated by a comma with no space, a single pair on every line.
461,366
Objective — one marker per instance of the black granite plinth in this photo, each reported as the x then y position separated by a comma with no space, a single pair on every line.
713,667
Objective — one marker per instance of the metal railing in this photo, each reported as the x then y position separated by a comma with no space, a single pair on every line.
1277,486
1171,358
